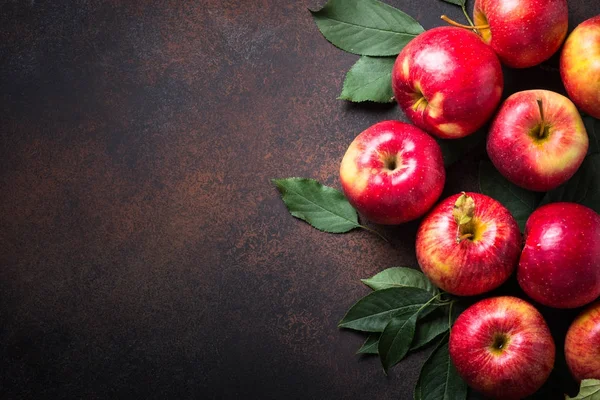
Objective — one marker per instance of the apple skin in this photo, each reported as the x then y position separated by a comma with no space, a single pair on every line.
457,75
470,267
514,146
502,347
395,195
580,66
582,345
560,263
523,33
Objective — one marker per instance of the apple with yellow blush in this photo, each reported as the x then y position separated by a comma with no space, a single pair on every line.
392,172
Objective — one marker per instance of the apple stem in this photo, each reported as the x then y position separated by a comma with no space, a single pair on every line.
416,106
454,23
460,238
543,123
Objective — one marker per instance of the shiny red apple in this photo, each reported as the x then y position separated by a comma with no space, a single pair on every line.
522,32
580,66
582,345
393,172
447,82
468,244
560,263
537,140
502,347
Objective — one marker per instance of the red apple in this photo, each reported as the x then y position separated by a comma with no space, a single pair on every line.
502,347
393,172
537,140
580,66
522,32
469,244
560,263
447,81
582,345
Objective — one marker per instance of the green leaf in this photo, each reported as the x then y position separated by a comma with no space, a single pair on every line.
439,379
400,277
459,3
366,27
396,338
373,312
370,79
520,202
370,345
454,149
582,188
592,126
589,390
429,328
323,207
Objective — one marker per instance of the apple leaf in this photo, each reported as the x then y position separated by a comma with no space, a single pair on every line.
366,27
373,312
518,201
460,3
582,188
323,207
438,379
592,126
396,338
464,209
429,328
400,277
370,79
370,344
589,390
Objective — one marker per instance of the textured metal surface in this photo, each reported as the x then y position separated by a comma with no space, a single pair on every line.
144,251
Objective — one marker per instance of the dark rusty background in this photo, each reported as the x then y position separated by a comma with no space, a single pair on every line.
145,254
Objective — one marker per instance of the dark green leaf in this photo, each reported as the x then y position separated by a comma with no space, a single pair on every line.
400,277
366,27
592,126
396,338
589,390
582,188
373,312
459,3
370,345
429,328
438,379
520,202
323,207
454,149
370,79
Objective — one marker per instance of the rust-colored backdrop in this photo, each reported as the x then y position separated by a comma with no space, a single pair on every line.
144,252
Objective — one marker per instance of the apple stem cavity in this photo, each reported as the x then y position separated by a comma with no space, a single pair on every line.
420,102
459,25
463,213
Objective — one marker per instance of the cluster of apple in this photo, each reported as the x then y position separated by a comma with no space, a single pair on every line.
449,83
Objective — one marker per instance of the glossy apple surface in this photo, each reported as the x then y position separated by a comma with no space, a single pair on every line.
523,33
393,172
502,347
447,81
580,66
533,152
476,264
582,345
560,263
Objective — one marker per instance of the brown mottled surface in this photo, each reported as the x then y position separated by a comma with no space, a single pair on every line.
144,251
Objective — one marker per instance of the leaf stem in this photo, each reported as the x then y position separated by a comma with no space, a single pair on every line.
454,23
450,314
463,6
374,231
